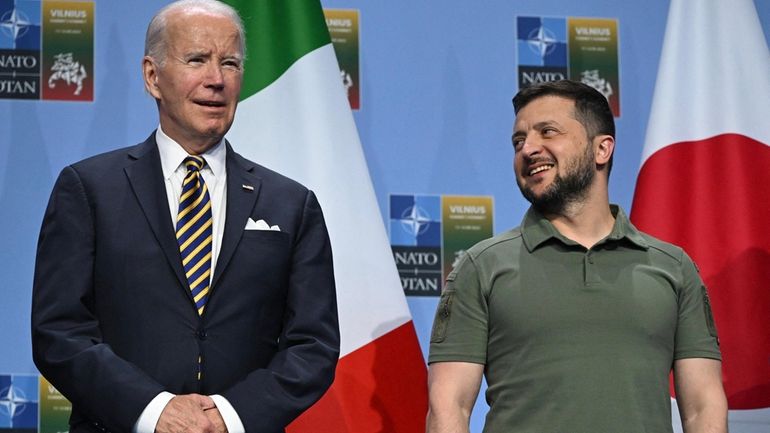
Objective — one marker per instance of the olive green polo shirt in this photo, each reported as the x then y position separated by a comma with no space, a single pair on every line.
574,340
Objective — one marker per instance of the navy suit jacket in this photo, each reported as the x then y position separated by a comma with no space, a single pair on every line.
113,320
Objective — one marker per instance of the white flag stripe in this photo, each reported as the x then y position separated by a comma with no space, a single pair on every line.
726,78
301,126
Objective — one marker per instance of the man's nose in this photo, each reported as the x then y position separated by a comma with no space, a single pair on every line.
532,145
215,77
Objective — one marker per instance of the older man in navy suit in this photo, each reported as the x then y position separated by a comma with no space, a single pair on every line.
179,286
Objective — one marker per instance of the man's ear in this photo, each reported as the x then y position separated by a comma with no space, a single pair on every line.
150,75
604,145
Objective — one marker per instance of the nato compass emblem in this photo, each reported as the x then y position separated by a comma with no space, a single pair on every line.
542,41
15,24
18,402
415,221
17,29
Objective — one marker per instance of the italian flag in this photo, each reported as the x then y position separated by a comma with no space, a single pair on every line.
704,182
294,118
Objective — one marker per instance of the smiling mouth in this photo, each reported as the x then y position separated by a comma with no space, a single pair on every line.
540,169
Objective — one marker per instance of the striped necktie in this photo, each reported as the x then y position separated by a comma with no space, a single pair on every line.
193,231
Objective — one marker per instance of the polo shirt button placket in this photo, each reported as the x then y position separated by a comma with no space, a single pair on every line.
588,261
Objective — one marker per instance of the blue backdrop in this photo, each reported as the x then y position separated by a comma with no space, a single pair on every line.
437,79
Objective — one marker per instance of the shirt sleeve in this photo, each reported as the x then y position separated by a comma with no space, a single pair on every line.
231,418
460,325
148,420
696,333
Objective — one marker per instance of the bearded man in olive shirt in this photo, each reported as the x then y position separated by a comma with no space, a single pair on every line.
576,318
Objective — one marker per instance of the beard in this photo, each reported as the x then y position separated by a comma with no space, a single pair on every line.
564,190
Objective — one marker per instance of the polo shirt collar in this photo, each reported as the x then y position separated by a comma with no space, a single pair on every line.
536,230
624,229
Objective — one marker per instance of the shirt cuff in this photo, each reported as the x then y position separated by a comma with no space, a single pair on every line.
151,414
229,415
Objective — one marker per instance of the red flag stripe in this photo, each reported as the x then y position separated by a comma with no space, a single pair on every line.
712,197
381,387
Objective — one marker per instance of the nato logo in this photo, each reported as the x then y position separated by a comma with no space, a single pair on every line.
415,220
415,239
18,403
542,41
20,49
542,50
20,25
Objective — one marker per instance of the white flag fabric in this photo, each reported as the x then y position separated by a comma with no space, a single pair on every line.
294,118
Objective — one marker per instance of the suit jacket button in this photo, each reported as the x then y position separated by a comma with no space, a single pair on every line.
202,334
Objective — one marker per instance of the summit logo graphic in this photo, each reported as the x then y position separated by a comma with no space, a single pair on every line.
19,49
430,233
46,50
580,49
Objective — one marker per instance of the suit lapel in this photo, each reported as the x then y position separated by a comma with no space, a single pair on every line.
243,187
146,178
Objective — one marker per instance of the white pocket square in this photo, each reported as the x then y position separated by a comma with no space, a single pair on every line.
260,225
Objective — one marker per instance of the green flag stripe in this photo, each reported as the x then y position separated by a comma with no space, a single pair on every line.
278,33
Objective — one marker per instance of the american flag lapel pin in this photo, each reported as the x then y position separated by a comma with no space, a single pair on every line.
248,187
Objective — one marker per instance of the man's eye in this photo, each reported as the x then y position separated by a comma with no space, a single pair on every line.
232,64
548,132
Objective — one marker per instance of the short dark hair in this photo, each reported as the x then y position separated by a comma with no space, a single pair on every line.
591,107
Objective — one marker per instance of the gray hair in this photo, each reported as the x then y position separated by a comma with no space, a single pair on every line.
155,40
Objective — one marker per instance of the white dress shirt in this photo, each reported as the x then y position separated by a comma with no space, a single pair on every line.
214,174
